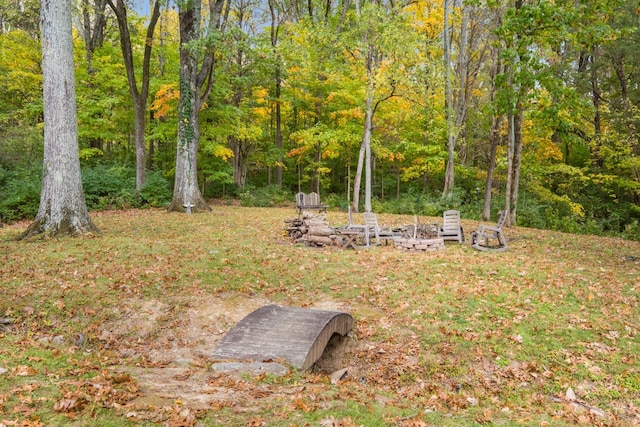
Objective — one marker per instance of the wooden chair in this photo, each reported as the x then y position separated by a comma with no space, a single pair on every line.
490,238
309,202
451,228
373,231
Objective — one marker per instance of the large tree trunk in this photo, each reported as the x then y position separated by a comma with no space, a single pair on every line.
195,86
239,160
186,192
449,175
364,158
494,135
511,148
62,210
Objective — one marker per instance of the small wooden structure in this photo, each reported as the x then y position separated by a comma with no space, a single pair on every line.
272,332
373,230
309,202
451,228
490,238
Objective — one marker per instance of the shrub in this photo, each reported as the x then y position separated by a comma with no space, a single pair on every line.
632,231
271,195
155,192
109,187
20,193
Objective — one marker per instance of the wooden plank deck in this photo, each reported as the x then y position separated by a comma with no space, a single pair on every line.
297,335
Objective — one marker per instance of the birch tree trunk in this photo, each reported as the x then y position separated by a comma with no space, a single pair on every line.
366,141
357,180
364,157
63,210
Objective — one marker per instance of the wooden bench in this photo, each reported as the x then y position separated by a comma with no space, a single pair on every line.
309,202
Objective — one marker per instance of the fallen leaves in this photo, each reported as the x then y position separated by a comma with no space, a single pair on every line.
482,338
70,404
182,417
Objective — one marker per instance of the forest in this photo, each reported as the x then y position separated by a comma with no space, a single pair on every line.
414,107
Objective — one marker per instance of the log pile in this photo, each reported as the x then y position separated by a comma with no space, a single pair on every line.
312,230
428,245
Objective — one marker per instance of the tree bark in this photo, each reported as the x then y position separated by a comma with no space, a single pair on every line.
195,86
494,141
366,141
357,180
63,210
516,165
494,135
186,192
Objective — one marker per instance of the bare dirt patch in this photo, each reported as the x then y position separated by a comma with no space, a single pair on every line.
166,347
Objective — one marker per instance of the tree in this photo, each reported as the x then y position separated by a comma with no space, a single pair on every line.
62,210
92,28
381,41
274,36
139,96
196,81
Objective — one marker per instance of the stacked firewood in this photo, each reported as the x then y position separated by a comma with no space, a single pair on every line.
312,229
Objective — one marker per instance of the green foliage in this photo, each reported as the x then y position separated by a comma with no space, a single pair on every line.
19,193
113,187
632,231
108,186
155,192
269,196
20,80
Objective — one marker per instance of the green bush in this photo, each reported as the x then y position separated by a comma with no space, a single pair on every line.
109,187
20,193
632,231
271,195
155,192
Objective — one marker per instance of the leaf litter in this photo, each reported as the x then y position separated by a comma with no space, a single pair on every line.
448,333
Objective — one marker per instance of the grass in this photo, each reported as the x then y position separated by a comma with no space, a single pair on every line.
456,337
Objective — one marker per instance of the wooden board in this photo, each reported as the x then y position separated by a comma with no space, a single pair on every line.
297,335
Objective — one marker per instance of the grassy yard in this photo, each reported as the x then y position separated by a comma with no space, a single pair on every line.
116,330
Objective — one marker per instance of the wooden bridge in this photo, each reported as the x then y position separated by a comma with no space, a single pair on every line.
297,335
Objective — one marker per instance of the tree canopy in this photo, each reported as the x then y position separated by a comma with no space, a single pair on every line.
530,105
